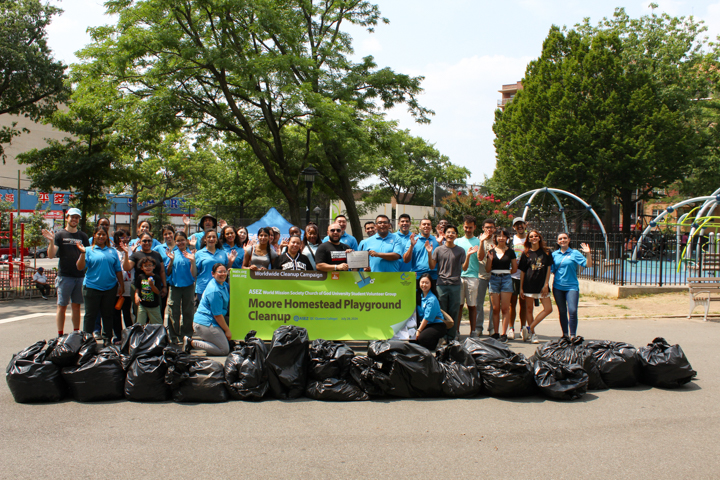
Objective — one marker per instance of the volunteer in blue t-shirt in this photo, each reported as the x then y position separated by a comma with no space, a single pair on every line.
209,322
403,235
229,242
417,255
103,282
348,240
181,296
205,258
566,289
384,248
432,327
469,276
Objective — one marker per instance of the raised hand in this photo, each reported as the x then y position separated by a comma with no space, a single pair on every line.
186,220
222,223
193,241
124,247
190,256
473,249
413,240
170,255
80,247
48,235
233,255
428,247
585,248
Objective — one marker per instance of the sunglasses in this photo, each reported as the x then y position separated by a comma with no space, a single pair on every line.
336,229
147,241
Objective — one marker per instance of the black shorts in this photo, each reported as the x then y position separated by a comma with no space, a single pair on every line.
516,286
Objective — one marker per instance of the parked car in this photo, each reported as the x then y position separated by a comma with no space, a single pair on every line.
5,250
41,252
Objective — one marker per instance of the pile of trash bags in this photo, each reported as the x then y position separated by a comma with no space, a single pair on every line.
146,368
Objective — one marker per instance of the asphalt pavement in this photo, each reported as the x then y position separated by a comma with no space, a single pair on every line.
637,432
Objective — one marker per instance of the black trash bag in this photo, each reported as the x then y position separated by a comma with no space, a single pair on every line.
410,370
561,381
504,373
287,362
335,389
617,362
32,378
143,340
145,381
461,377
663,365
73,349
329,360
100,378
367,374
194,379
245,372
568,351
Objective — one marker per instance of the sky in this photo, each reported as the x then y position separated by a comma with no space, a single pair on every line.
465,49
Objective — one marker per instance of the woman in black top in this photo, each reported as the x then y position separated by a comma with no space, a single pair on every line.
131,262
292,259
501,263
535,265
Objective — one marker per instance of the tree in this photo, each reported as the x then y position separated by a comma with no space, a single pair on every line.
34,224
408,167
255,71
31,81
84,163
587,123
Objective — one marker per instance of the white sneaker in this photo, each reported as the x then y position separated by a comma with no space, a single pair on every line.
491,332
475,334
511,334
525,333
534,339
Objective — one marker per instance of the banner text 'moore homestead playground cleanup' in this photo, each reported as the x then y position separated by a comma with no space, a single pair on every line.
332,305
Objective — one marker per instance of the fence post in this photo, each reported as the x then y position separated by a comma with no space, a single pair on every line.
662,244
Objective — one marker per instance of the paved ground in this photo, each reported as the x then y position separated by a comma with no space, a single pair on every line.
641,431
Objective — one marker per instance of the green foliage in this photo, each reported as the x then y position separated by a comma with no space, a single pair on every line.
34,224
275,75
588,123
32,81
474,203
407,167
5,210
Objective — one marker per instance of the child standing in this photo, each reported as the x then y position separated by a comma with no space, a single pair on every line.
147,293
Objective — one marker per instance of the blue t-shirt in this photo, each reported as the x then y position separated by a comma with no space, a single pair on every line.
155,243
474,264
215,301
389,244
429,309
405,243
102,266
240,255
181,270
420,263
204,261
565,267
162,250
348,240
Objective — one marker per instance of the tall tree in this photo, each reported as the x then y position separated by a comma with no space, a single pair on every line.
409,166
253,69
587,123
31,80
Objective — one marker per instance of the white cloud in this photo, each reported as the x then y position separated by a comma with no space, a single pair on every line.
369,46
67,33
712,20
464,97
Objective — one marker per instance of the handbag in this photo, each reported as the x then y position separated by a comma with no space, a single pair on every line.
447,319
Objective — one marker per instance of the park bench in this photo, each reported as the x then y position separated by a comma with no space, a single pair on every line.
702,290
710,263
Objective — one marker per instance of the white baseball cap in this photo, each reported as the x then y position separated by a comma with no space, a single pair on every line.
74,211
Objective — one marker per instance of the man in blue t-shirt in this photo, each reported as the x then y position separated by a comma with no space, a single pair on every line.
417,255
403,234
348,240
384,248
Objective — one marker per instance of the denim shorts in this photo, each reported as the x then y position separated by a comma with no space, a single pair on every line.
501,283
69,290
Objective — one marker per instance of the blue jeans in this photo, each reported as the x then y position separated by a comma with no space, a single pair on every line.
567,303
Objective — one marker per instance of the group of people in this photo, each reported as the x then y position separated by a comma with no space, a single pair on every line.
122,280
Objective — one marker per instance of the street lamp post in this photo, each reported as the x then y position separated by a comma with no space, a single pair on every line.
317,211
309,173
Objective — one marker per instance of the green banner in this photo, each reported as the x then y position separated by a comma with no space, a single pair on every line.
332,305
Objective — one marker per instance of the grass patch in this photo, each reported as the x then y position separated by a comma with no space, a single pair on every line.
624,307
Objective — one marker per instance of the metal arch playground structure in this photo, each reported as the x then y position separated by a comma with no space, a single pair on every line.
554,194
700,221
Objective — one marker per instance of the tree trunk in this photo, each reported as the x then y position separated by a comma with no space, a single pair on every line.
133,209
627,210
